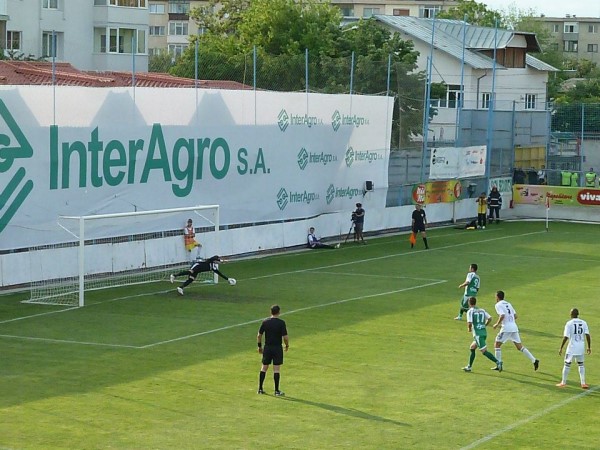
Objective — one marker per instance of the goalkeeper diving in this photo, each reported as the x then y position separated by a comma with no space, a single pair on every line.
209,265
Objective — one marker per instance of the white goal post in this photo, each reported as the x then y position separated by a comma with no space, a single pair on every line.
111,250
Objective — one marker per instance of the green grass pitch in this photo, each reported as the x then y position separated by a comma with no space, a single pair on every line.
374,362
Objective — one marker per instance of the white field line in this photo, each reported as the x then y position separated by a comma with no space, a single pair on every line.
307,308
537,415
289,273
370,275
558,258
64,341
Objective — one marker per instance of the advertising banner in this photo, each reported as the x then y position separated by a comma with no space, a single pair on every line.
261,156
457,162
555,195
437,192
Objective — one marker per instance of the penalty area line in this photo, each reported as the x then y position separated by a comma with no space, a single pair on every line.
526,420
294,311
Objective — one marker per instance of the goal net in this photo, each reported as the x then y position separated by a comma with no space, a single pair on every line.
112,250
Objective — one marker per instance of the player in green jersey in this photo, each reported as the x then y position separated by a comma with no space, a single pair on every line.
477,320
471,285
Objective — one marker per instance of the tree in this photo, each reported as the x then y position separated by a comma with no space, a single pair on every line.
475,14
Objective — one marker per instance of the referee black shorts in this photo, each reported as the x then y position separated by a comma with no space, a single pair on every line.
272,354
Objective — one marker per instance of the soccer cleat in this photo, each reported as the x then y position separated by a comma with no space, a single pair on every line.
260,391
536,364
172,278
561,384
584,386
279,394
458,318
499,366
337,245
467,369
180,291
495,368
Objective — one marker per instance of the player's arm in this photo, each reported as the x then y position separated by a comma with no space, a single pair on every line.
463,284
286,341
562,344
588,338
259,342
499,321
469,327
220,274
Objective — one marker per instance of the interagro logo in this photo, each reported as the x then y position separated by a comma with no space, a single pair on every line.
334,192
361,155
305,157
284,120
338,120
284,197
16,188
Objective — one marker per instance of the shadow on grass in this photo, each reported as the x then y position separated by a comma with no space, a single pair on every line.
346,411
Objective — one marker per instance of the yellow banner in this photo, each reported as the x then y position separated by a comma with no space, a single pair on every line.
437,192
526,194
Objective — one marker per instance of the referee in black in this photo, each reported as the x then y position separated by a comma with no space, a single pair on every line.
275,331
419,223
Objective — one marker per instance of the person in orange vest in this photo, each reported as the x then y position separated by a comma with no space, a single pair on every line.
189,239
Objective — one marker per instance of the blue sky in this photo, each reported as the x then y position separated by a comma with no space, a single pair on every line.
550,8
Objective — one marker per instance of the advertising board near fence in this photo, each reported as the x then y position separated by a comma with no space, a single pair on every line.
526,194
437,192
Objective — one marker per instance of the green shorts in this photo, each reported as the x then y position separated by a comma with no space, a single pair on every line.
464,303
480,341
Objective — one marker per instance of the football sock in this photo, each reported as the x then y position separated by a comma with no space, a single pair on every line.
425,240
582,374
488,355
276,377
471,358
565,372
498,353
182,273
528,354
187,282
261,379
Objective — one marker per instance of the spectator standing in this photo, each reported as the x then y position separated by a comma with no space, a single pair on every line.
358,216
542,175
590,178
481,210
494,203
189,240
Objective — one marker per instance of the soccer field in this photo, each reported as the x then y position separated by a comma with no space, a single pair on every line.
374,362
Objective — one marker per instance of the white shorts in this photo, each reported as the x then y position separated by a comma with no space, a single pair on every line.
569,358
504,336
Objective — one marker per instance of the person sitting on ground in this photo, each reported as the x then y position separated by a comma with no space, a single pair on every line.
314,242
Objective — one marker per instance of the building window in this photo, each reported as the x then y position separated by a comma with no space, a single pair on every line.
50,4
347,12
13,40
530,101
119,40
49,41
570,46
571,27
156,8
453,96
368,12
157,30
157,51
486,99
177,49
178,28
593,29
427,12
554,46
122,3
179,7
401,12
555,28
592,48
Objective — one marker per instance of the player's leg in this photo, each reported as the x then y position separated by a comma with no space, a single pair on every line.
464,307
566,370
481,342
424,236
526,352
277,362
261,378
472,349
581,368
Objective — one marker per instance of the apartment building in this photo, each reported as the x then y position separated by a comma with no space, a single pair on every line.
416,8
576,37
171,26
90,34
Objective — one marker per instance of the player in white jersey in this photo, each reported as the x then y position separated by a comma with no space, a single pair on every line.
509,331
575,330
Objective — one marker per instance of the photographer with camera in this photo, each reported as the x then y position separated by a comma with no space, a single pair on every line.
358,219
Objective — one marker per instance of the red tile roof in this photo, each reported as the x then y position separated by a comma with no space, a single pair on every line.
40,73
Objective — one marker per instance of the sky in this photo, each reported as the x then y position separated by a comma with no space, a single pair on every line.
550,8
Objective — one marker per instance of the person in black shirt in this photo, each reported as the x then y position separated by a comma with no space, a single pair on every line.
494,203
275,331
358,217
419,223
210,265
